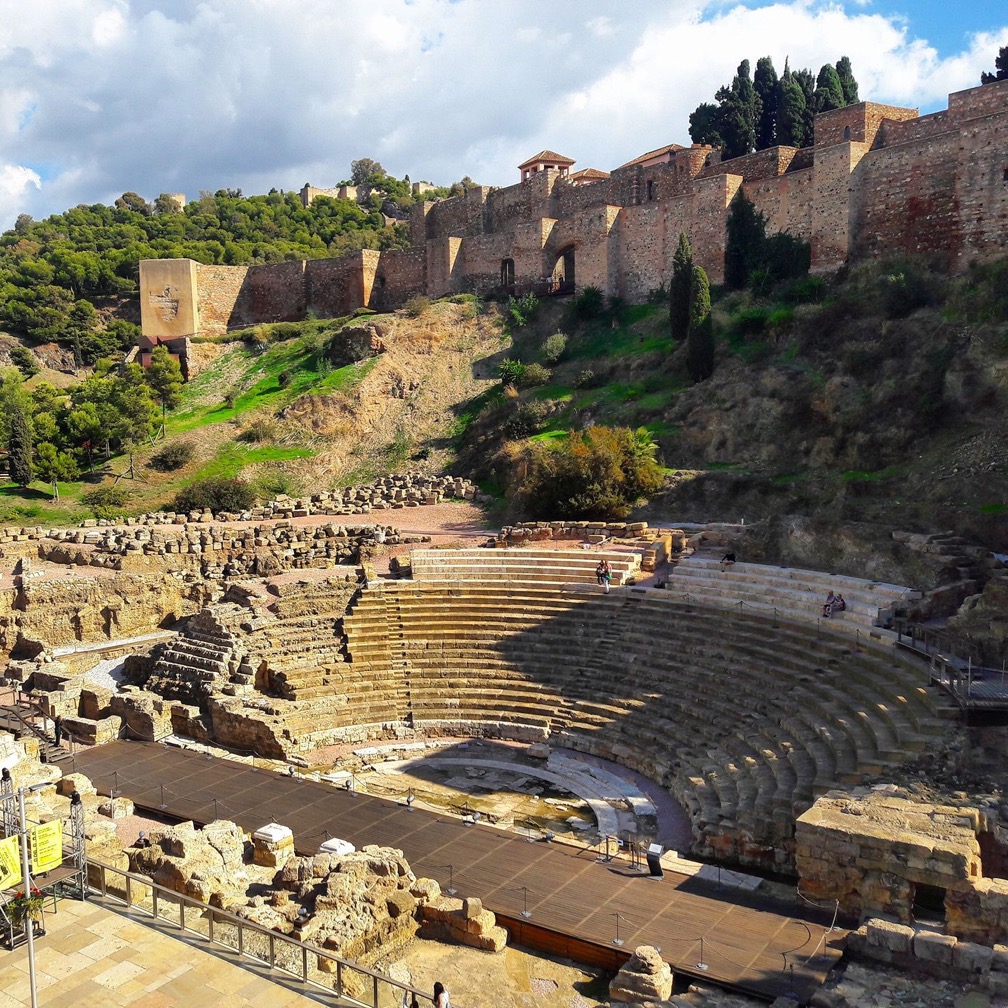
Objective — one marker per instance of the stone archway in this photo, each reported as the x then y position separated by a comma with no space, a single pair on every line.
562,276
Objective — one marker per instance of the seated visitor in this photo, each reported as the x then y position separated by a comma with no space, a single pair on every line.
827,609
727,560
838,604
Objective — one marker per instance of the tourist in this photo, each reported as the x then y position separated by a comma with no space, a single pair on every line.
58,729
827,609
409,1000
440,998
727,560
603,574
838,604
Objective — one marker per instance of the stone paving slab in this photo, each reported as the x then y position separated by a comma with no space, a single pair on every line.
95,957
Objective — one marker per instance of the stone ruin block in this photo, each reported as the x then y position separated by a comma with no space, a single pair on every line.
644,978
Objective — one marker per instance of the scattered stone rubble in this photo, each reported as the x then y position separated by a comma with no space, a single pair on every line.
645,977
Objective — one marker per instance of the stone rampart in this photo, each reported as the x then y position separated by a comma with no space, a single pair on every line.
880,180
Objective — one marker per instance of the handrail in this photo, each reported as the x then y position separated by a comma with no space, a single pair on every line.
215,915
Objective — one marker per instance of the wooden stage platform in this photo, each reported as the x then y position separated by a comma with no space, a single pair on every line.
575,904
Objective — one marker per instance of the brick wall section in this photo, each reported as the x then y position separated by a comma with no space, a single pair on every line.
217,291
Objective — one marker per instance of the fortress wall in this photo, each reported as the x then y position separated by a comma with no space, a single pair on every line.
649,236
531,199
458,216
859,123
217,289
763,164
982,188
444,264
333,286
710,199
829,204
916,131
401,274
904,200
784,201
275,292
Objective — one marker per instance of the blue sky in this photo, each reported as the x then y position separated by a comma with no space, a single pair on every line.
98,97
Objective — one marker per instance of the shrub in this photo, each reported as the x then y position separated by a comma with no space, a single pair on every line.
906,291
510,371
596,473
215,494
259,431
589,304
553,347
533,375
416,306
173,456
24,360
585,378
527,419
522,310
107,502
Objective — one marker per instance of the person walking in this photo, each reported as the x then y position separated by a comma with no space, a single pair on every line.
58,729
603,574
440,998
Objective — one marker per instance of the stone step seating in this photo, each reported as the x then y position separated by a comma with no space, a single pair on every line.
859,732
793,592
527,565
202,658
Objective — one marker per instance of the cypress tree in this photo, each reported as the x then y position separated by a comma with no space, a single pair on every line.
828,92
766,86
680,289
745,235
739,114
806,81
847,82
700,339
20,447
790,112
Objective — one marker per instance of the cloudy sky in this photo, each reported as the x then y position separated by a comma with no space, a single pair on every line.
98,97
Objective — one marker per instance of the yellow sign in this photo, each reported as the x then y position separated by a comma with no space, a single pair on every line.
46,846
10,862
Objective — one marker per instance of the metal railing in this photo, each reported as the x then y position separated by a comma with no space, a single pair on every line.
330,978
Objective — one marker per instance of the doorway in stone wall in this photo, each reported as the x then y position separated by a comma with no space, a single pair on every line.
928,904
507,273
562,277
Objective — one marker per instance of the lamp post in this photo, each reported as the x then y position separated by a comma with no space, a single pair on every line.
27,883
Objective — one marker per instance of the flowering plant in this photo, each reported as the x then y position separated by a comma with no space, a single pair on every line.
24,906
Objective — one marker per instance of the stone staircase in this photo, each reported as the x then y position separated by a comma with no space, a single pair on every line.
525,564
23,720
207,656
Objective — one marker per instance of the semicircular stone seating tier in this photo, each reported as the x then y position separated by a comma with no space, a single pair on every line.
745,716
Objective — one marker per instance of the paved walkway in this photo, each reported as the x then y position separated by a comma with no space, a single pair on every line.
94,957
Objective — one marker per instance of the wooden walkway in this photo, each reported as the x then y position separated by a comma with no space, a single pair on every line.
576,906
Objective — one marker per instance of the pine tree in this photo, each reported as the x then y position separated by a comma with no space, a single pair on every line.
700,339
847,82
680,289
705,125
828,92
1000,68
766,85
20,447
164,376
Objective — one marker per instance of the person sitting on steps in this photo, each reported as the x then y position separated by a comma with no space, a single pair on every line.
727,560
603,574
838,604
827,609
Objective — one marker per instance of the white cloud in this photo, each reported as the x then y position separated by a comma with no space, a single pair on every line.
101,96
15,180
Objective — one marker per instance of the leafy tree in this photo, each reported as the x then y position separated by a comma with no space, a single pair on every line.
680,289
24,360
1000,68
53,464
700,336
135,202
84,429
705,125
767,86
164,376
20,447
363,170
848,84
596,473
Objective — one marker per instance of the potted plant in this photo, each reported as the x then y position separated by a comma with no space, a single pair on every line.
23,907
